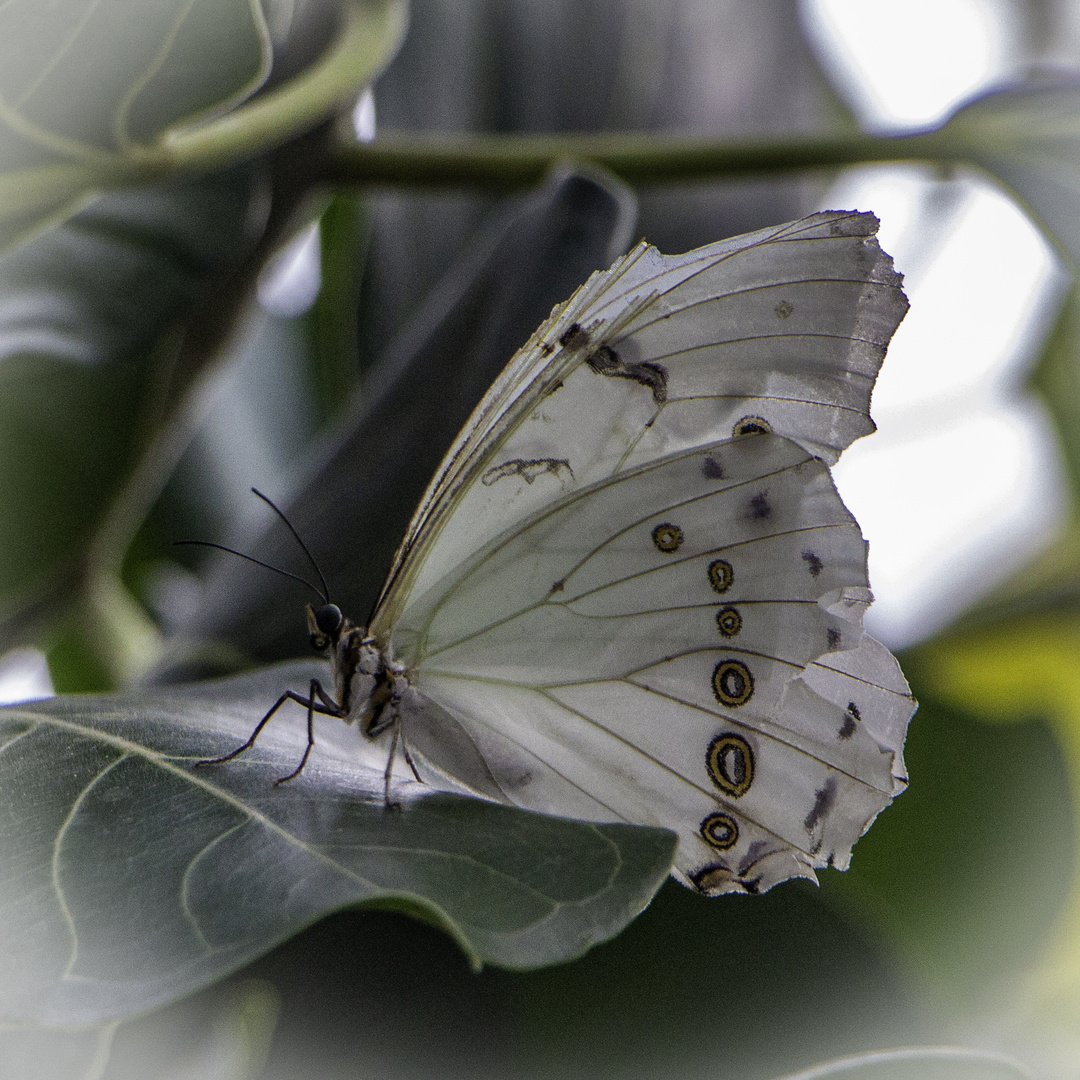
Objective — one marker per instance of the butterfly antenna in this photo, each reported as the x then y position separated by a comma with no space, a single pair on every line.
258,562
303,547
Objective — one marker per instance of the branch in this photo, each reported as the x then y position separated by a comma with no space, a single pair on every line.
438,160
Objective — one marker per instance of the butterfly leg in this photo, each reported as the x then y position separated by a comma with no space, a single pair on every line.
324,705
409,761
388,775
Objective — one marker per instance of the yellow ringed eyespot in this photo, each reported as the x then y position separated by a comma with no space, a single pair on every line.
752,425
728,621
720,831
732,683
721,575
730,763
667,537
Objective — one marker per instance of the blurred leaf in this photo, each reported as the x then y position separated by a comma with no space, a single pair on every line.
983,797
1029,136
110,95
90,339
223,1036
55,1053
128,879
1050,580
1057,377
714,67
356,501
1025,667
739,986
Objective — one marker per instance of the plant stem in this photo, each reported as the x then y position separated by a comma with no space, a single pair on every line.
371,33
437,160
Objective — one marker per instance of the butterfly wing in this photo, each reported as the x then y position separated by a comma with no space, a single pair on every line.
782,330
632,591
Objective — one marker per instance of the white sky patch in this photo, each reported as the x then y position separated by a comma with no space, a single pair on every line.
963,481
904,66
24,676
363,117
290,281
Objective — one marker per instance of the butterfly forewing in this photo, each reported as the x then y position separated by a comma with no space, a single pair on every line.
782,330
632,591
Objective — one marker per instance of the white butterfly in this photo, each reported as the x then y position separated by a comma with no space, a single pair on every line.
631,591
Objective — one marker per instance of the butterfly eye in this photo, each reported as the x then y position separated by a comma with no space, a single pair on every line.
728,621
328,619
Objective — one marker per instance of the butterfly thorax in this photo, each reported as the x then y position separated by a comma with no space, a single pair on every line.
368,683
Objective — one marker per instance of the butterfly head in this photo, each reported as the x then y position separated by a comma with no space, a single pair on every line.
325,624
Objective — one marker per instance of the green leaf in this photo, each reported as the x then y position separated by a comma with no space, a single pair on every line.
982,797
91,337
106,95
1008,673
1029,136
128,879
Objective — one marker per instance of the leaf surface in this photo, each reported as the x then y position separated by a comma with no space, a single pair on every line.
107,94
127,878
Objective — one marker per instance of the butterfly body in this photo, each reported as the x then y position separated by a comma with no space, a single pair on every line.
631,591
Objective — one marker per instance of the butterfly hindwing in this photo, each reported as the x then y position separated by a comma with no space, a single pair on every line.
596,653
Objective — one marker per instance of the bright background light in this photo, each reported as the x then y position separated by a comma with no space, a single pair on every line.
24,676
963,481
908,65
290,281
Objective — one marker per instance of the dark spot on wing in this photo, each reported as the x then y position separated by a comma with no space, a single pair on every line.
551,389
606,361
751,885
852,717
574,337
547,348
834,637
759,508
709,879
753,853
813,563
711,469
823,801
559,586
783,309
528,470
752,425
